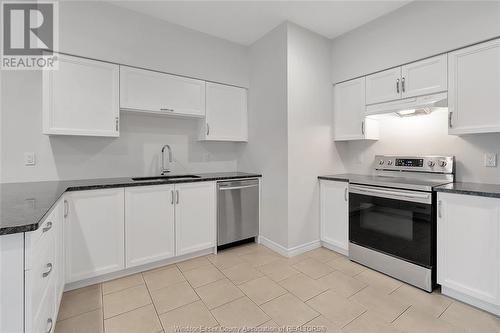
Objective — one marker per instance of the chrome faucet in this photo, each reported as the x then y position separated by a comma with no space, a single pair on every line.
170,159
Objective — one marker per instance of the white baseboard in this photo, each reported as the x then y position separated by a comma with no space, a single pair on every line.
289,252
136,269
335,248
273,246
471,300
296,250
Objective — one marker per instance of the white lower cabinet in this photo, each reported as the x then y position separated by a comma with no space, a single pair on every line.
195,217
468,249
43,276
94,233
149,224
334,215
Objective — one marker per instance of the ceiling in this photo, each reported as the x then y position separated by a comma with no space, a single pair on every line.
244,22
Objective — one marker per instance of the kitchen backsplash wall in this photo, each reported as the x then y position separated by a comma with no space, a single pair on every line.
135,152
425,135
113,36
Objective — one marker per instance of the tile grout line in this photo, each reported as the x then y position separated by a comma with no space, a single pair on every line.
445,310
354,319
153,303
102,307
199,298
357,292
402,313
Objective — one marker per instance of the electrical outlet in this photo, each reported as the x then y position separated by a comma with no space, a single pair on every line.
490,160
29,159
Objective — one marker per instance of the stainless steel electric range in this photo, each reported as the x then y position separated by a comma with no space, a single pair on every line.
392,222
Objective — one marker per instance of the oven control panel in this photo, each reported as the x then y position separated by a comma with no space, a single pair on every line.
433,164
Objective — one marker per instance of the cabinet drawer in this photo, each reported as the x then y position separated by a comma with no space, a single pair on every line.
37,240
44,319
42,273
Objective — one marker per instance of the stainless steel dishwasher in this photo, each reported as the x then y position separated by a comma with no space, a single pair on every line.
237,211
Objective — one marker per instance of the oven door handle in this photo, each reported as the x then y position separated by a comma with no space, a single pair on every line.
395,194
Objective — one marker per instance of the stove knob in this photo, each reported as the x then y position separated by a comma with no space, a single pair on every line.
431,163
389,162
381,162
442,163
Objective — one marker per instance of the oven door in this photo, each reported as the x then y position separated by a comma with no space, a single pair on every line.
395,222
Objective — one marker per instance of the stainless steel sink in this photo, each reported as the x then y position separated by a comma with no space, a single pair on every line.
177,177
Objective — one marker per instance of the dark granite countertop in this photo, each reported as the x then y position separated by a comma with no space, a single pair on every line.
24,205
477,189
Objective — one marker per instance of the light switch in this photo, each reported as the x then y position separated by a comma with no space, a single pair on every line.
490,160
29,159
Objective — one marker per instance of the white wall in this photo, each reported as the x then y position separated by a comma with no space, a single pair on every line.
289,131
97,29
418,30
100,30
266,150
311,151
425,135
415,31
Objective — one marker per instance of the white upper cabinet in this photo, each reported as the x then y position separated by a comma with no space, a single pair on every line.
334,215
195,217
419,78
150,91
149,224
468,249
94,233
226,113
383,86
424,77
81,98
474,89
349,122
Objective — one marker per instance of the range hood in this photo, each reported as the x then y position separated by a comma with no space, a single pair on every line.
409,106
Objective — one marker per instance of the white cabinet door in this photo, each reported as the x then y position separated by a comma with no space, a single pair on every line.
94,234
424,77
474,89
195,217
149,224
81,98
383,86
149,91
334,215
349,121
468,245
226,113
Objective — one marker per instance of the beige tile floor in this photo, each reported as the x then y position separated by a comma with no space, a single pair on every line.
252,286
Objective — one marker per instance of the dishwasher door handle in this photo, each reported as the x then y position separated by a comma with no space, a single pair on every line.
237,187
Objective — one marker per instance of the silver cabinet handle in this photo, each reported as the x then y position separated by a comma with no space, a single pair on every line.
66,208
48,227
397,86
208,129
345,194
450,119
403,84
168,110
237,187
440,207
117,124
49,266
363,127
51,323
177,196
172,197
